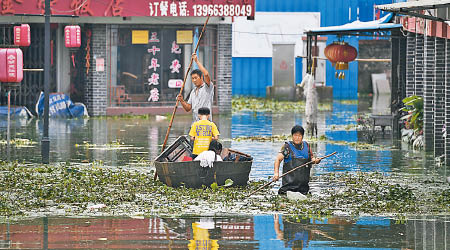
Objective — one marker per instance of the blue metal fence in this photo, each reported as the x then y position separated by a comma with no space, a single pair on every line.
251,75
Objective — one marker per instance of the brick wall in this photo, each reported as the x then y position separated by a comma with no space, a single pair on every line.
96,86
447,101
428,100
428,75
418,65
410,63
402,70
439,96
224,67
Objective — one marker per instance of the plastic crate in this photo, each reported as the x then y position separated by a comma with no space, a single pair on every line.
179,150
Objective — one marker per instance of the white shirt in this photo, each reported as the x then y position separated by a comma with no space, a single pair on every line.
203,97
207,158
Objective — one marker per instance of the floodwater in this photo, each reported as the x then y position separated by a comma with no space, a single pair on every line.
135,142
225,232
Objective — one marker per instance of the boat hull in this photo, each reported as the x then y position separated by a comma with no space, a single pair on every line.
191,175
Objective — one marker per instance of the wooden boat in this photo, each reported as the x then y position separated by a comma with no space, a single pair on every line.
174,171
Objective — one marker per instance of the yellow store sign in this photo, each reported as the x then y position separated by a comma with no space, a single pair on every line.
139,37
184,36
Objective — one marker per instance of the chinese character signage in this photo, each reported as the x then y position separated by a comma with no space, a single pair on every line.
159,8
175,72
163,65
152,65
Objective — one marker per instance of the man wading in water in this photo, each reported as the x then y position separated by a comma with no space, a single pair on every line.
295,153
203,93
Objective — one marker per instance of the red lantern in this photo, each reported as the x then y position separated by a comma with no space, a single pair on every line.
72,35
22,35
340,53
11,65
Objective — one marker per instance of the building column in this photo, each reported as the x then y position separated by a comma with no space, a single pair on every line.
447,101
224,54
402,69
428,97
395,61
439,96
410,64
418,65
96,94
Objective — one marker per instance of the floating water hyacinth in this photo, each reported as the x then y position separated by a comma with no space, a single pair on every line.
19,142
261,104
90,189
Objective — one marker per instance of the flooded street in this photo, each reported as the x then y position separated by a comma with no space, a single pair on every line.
133,142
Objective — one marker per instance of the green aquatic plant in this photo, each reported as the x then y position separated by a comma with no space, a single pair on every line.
323,138
74,189
262,104
19,142
214,186
228,183
349,102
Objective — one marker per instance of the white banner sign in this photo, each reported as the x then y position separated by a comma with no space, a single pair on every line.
175,83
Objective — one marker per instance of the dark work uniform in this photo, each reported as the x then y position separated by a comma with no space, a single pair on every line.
297,181
296,235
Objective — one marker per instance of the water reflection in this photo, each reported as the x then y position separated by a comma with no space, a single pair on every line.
226,232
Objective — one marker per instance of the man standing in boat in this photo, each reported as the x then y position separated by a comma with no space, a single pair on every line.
295,153
203,93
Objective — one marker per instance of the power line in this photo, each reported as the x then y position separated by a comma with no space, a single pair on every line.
272,34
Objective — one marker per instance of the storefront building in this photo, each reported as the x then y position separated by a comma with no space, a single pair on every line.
133,54
426,43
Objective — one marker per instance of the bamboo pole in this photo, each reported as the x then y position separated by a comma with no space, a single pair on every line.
33,69
288,172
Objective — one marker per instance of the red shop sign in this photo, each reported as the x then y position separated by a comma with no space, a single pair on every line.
72,36
160,8
22,35
11,65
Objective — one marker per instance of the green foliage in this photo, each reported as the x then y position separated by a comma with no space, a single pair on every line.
414,108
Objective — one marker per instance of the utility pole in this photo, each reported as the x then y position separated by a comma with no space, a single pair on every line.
45,139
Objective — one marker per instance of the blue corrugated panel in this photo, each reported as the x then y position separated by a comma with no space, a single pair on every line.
332,12
251,75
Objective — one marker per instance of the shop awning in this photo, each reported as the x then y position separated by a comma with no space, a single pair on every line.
414,8
356,27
